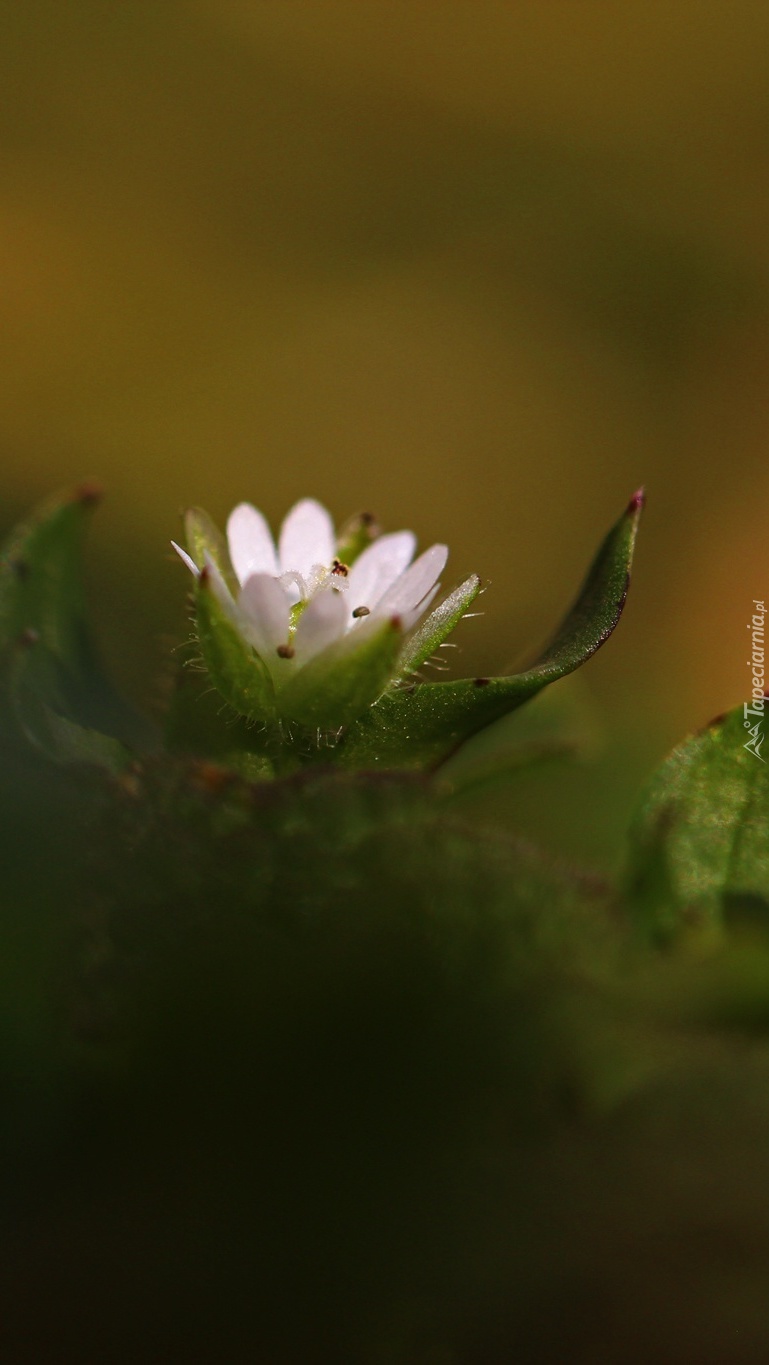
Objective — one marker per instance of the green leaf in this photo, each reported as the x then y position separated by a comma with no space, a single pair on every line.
438,625
491,769
41,591
343,680
557,726
422,725
40,707
55,686
235,668
700,841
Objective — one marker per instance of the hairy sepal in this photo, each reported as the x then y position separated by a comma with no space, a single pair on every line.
429,636
345,679
206,542
237,672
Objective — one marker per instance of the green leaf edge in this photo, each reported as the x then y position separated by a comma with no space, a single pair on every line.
421,726
707,801
62,702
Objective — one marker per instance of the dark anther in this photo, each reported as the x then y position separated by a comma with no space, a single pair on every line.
339,568
285,651
482,682
362,611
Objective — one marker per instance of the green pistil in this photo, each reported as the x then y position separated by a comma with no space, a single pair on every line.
294,615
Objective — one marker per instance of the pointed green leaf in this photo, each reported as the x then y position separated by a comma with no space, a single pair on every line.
235,668
53,679
203,538
700,841
41,589
343,680
419,726
40,704
438,625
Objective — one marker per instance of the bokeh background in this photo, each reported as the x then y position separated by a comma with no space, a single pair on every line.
481,268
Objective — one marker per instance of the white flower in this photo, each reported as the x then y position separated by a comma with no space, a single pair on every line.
298,599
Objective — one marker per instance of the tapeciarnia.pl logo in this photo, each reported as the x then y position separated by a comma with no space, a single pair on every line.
755,707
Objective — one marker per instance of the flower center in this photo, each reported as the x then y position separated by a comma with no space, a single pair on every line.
304,588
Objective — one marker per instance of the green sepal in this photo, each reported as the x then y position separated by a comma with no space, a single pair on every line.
429,636
203,539
420,726
341,682
55,687
234,667
700,840
201,725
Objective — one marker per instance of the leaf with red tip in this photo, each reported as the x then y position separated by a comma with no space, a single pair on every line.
420,726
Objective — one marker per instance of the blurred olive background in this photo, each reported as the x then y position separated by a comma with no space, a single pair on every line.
481,268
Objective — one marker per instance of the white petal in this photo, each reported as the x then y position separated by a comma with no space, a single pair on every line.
265,611
377,569
410,618
322,621
408,591
306,538
191,565
250,541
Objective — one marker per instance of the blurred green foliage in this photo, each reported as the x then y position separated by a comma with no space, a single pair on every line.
479,270
702,834
482,269
323,1068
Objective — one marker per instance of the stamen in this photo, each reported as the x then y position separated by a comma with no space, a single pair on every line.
339,568
362,611
285,651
